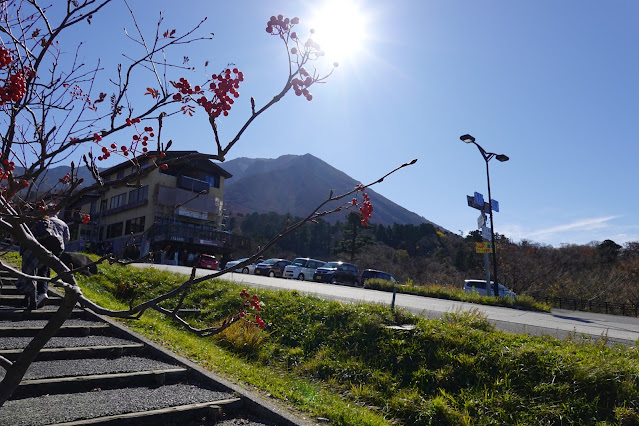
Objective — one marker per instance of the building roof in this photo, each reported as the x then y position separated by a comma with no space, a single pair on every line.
200,163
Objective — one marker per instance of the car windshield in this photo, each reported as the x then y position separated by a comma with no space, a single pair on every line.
299,262
477,284
331,265
269,261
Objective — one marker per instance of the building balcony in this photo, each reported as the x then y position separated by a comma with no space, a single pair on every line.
187,200
192,184
128,206
197,237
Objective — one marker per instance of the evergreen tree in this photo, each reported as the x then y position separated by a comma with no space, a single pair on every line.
354,240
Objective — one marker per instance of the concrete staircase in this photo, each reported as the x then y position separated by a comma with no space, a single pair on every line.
97,372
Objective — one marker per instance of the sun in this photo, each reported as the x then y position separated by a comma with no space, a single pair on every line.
341,28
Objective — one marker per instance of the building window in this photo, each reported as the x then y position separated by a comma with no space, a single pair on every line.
139,194
114,230
134,226
103,205
214,181
117,201
120,174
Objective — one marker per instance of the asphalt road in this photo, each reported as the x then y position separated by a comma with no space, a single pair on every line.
561,323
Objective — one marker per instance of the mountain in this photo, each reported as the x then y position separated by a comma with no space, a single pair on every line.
297,184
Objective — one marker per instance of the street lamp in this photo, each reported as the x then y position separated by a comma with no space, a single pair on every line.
487,157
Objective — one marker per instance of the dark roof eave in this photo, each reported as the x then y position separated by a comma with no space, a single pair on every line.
170,154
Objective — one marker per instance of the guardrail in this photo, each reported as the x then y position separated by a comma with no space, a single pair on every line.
599,306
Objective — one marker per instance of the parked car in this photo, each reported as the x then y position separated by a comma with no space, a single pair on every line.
337,272
207,261
479,287
272,267
373,273
246,269
303,268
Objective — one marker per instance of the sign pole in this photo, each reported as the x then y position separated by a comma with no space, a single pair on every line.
488,244
486,260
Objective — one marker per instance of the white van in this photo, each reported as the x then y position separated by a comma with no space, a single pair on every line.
479,287
302,268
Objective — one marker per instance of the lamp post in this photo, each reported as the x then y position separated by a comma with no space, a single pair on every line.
487,157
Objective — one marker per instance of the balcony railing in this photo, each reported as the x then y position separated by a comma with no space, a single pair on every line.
205,237
127,206
192,184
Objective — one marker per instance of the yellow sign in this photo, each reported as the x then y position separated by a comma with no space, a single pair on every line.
485,247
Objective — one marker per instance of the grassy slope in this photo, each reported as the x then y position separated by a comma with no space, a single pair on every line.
342,362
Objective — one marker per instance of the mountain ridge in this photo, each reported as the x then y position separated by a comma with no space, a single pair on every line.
297,185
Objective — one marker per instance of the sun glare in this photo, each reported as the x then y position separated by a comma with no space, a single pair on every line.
341,28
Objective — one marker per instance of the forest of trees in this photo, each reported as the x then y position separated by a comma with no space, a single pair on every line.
425,255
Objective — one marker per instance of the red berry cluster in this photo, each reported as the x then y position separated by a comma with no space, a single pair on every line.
365,207
223,86
280,24
141,137
9,167
251,302
14,90
66,179
301,86
184,87
5,57
86,218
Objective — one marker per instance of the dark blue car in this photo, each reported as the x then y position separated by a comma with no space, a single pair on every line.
337,273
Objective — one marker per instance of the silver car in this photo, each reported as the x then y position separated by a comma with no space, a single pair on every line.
479,287
246,269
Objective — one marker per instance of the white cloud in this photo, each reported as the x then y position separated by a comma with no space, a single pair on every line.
579,225
581,231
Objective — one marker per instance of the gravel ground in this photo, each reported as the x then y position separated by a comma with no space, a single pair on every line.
89,366
248,421
70,407
238,420
62,342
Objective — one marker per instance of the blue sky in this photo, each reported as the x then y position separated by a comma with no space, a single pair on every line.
551,84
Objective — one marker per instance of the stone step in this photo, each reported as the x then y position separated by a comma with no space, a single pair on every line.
61,368
72,342
99,406
7,289
56,385
115,378
72,327
44,313
106,351
206,413
17,300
